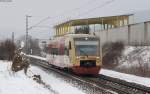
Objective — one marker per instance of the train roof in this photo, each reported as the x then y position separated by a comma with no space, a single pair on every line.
70,36
73,36
79,35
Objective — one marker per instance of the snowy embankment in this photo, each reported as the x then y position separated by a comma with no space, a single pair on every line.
127,77
19,83
134,60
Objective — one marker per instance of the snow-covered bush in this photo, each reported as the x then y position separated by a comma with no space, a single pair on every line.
20,62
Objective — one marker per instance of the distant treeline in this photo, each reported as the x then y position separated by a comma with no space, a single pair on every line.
7,50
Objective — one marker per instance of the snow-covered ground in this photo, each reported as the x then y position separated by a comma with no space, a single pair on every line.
127,77
57,84
19,83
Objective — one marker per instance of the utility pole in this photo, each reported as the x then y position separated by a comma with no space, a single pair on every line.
27,28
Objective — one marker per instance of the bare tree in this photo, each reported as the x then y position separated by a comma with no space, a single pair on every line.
7,49
112,51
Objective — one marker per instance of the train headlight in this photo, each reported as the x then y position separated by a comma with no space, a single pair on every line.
77,57
97,57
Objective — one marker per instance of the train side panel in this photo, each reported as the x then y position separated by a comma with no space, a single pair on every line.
82,56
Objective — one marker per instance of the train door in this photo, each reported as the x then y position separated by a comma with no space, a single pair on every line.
71,51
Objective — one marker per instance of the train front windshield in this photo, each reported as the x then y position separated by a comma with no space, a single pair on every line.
87,48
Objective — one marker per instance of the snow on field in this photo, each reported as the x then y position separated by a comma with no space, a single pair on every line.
126,77
128,49
19,83
56,83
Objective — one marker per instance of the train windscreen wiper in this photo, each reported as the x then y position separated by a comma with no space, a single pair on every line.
83,52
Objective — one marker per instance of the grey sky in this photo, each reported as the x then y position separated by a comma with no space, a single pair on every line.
12,16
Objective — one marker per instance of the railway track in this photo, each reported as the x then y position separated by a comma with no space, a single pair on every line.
87,87
130,88
100,85
120,86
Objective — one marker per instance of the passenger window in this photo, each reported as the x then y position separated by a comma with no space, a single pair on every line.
66,51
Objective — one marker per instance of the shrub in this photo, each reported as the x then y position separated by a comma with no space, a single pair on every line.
112,51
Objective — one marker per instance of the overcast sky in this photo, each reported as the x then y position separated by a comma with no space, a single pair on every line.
12,16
